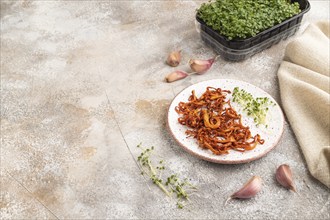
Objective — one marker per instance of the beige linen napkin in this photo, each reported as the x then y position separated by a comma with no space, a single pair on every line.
305,87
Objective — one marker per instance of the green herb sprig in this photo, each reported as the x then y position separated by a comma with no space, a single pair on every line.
182,188
240,19
254,107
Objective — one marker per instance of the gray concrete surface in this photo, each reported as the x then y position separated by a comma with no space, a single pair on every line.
82,85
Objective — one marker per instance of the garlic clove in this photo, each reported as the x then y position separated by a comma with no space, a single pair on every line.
176,75
284,177
201,66
250,189
174,58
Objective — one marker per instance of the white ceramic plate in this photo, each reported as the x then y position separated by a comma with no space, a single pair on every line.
271,134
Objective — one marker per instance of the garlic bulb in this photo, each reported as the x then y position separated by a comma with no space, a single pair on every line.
284,177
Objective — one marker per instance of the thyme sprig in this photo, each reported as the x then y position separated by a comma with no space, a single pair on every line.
174,185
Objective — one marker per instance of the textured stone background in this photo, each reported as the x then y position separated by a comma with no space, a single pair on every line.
82,85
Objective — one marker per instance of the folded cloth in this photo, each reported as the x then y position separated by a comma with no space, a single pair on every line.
305,86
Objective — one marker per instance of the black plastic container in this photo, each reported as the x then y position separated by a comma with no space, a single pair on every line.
236,50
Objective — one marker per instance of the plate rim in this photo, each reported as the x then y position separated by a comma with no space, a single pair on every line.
219,161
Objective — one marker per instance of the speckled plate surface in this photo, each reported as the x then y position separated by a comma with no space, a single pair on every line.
271,134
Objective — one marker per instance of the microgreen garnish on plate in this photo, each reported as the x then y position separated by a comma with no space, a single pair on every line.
254,107
181,188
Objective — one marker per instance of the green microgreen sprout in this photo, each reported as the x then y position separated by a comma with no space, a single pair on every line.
254,107
181,188
240,19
